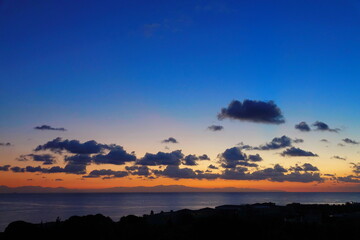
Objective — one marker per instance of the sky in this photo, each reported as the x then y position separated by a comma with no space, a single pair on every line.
248,94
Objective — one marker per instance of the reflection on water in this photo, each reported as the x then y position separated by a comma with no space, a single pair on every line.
47,207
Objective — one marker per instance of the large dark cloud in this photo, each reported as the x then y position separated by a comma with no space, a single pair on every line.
116,156
215,128
303,126
106,174
321,126
233,157
162,158
297,152
253,111
47,127
74,146
46,159
350,141
170,140
5,168
191,159
276,143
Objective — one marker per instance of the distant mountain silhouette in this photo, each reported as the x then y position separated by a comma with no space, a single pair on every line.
159,188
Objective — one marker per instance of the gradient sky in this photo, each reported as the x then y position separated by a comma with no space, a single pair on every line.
133,73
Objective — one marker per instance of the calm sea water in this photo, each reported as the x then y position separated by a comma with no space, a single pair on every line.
47,207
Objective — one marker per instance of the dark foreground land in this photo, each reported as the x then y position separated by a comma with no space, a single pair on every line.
257,221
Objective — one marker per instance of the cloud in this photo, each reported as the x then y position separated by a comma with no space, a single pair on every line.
356,168
275,174
276,143
212,167
17,169
253,111
5,168
68,169
303,126
321,126
255,158
162,158
191,159
47,127
306,167
339,158
5,144
170,140
350,141
106,174
185,173
139,170
116,156
74,146
46,159
82,159
233,157
324,140
297,152
215,128
349,179
298,140
59,180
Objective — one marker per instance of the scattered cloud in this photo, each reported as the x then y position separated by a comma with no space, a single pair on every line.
191,159
339,158
162,158
17,169
350,141
324,140
253,111
215,128
185,173
116,156
46,159
47,127
212,167
297,152
5,168
74,146
5,144
276,143
303,127
233,157
275,174
321,126
170,140
139,170
106,174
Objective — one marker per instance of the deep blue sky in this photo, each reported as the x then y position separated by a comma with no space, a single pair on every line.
185,59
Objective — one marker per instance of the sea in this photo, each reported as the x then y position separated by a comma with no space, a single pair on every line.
47,207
